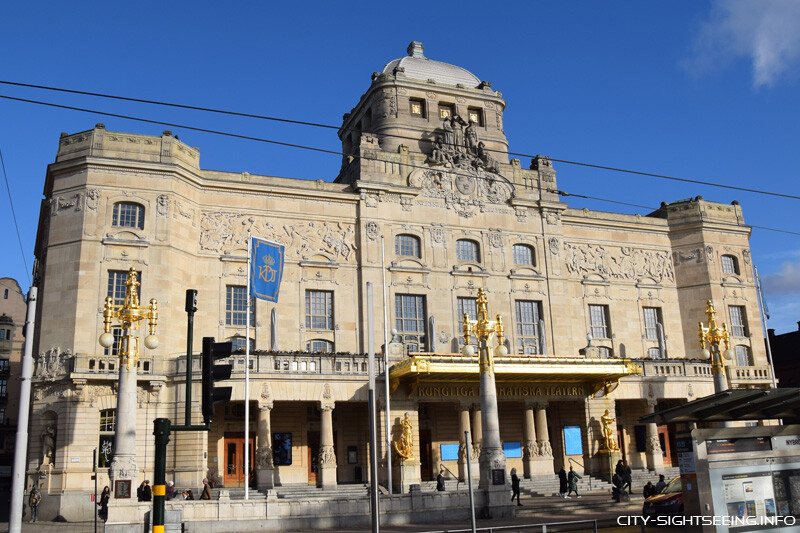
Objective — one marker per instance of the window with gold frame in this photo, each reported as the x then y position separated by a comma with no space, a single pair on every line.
475,115
417,107
445,111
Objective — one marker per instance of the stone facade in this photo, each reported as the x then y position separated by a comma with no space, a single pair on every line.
426,177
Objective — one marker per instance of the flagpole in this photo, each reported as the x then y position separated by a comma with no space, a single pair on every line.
761,307
247,381
386,375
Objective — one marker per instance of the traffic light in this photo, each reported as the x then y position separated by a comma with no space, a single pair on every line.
211,373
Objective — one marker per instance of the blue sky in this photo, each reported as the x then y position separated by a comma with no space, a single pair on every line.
695,89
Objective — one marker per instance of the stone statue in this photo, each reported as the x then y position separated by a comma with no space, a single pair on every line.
404,446
610,440
48,444
471,138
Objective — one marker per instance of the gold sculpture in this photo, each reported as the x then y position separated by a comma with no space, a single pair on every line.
483,328
404,446
130,314
713,335
608,432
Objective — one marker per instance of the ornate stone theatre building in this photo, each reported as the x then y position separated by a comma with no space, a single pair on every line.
600,309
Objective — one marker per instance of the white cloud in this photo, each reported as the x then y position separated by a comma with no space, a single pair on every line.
767,32
784,282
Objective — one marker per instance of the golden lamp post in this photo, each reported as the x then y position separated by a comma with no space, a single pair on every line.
712,336
130,316
492,460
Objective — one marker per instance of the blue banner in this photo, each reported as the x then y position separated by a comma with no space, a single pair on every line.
266,269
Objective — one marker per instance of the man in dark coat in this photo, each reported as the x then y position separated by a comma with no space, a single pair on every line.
440,481
562,482
147,492
514,486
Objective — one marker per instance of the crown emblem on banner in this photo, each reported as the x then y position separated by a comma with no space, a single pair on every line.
269,260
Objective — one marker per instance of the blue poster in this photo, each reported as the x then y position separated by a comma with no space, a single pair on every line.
449,452
512,449
572,440
266,269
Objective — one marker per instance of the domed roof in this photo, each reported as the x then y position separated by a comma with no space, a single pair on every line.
419,67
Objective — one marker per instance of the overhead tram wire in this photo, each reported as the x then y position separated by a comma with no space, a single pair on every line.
357,130
300,146
14,217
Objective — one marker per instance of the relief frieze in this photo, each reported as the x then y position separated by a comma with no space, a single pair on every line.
618,262
226,232
472,390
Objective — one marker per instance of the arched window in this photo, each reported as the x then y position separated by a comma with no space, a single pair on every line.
467,250
128,215
238,344
5,294
730,265
523,255
743,355
319,346
407,245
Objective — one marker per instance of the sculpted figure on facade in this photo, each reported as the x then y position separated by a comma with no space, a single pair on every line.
609,440
619,263
48,444
404,445
458,147
52,363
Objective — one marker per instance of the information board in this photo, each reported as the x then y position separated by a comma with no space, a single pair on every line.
746,444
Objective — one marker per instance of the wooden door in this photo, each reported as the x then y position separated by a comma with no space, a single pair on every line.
313,456
233,456
425,459
666,448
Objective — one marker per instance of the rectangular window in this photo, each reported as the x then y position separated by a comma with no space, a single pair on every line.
236,306
108,420
319,309
5,334
445,111
3,366
475,115
3,388
116,285
528,313
410,321
417,107
604,352
743,356
738,320
598,320
114,349
652,318
469,306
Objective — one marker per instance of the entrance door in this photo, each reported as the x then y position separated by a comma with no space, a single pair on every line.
426,468
234,460
666,449
312,448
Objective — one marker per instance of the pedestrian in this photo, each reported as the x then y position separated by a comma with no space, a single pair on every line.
440,481
514,486
206,495
104,497
147,492
140,492
562,483
188,495
169,492
34,499
573,478
649,490
661,485
628,477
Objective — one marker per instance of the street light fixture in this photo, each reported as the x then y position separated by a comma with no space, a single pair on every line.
712,336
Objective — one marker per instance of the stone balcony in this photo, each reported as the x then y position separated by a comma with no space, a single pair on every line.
749,376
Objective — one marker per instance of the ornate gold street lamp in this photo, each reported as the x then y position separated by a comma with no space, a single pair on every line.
712,336
492,460
130,315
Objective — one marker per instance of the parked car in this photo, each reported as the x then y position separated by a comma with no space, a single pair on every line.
667,502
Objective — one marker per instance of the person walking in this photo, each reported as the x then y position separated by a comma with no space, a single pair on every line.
562,483
661,483
206,495
628,477
34,499
104,497
147,492
140,492
514,486
573,478
440,481
169,492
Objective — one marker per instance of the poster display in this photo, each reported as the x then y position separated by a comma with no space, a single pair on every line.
749,495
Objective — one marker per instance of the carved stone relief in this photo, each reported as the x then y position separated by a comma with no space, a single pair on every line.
553,244
162,205
92,393
372,230
692,256
60,391
226,232
465,191
52,364
456,145
92,198
618,262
